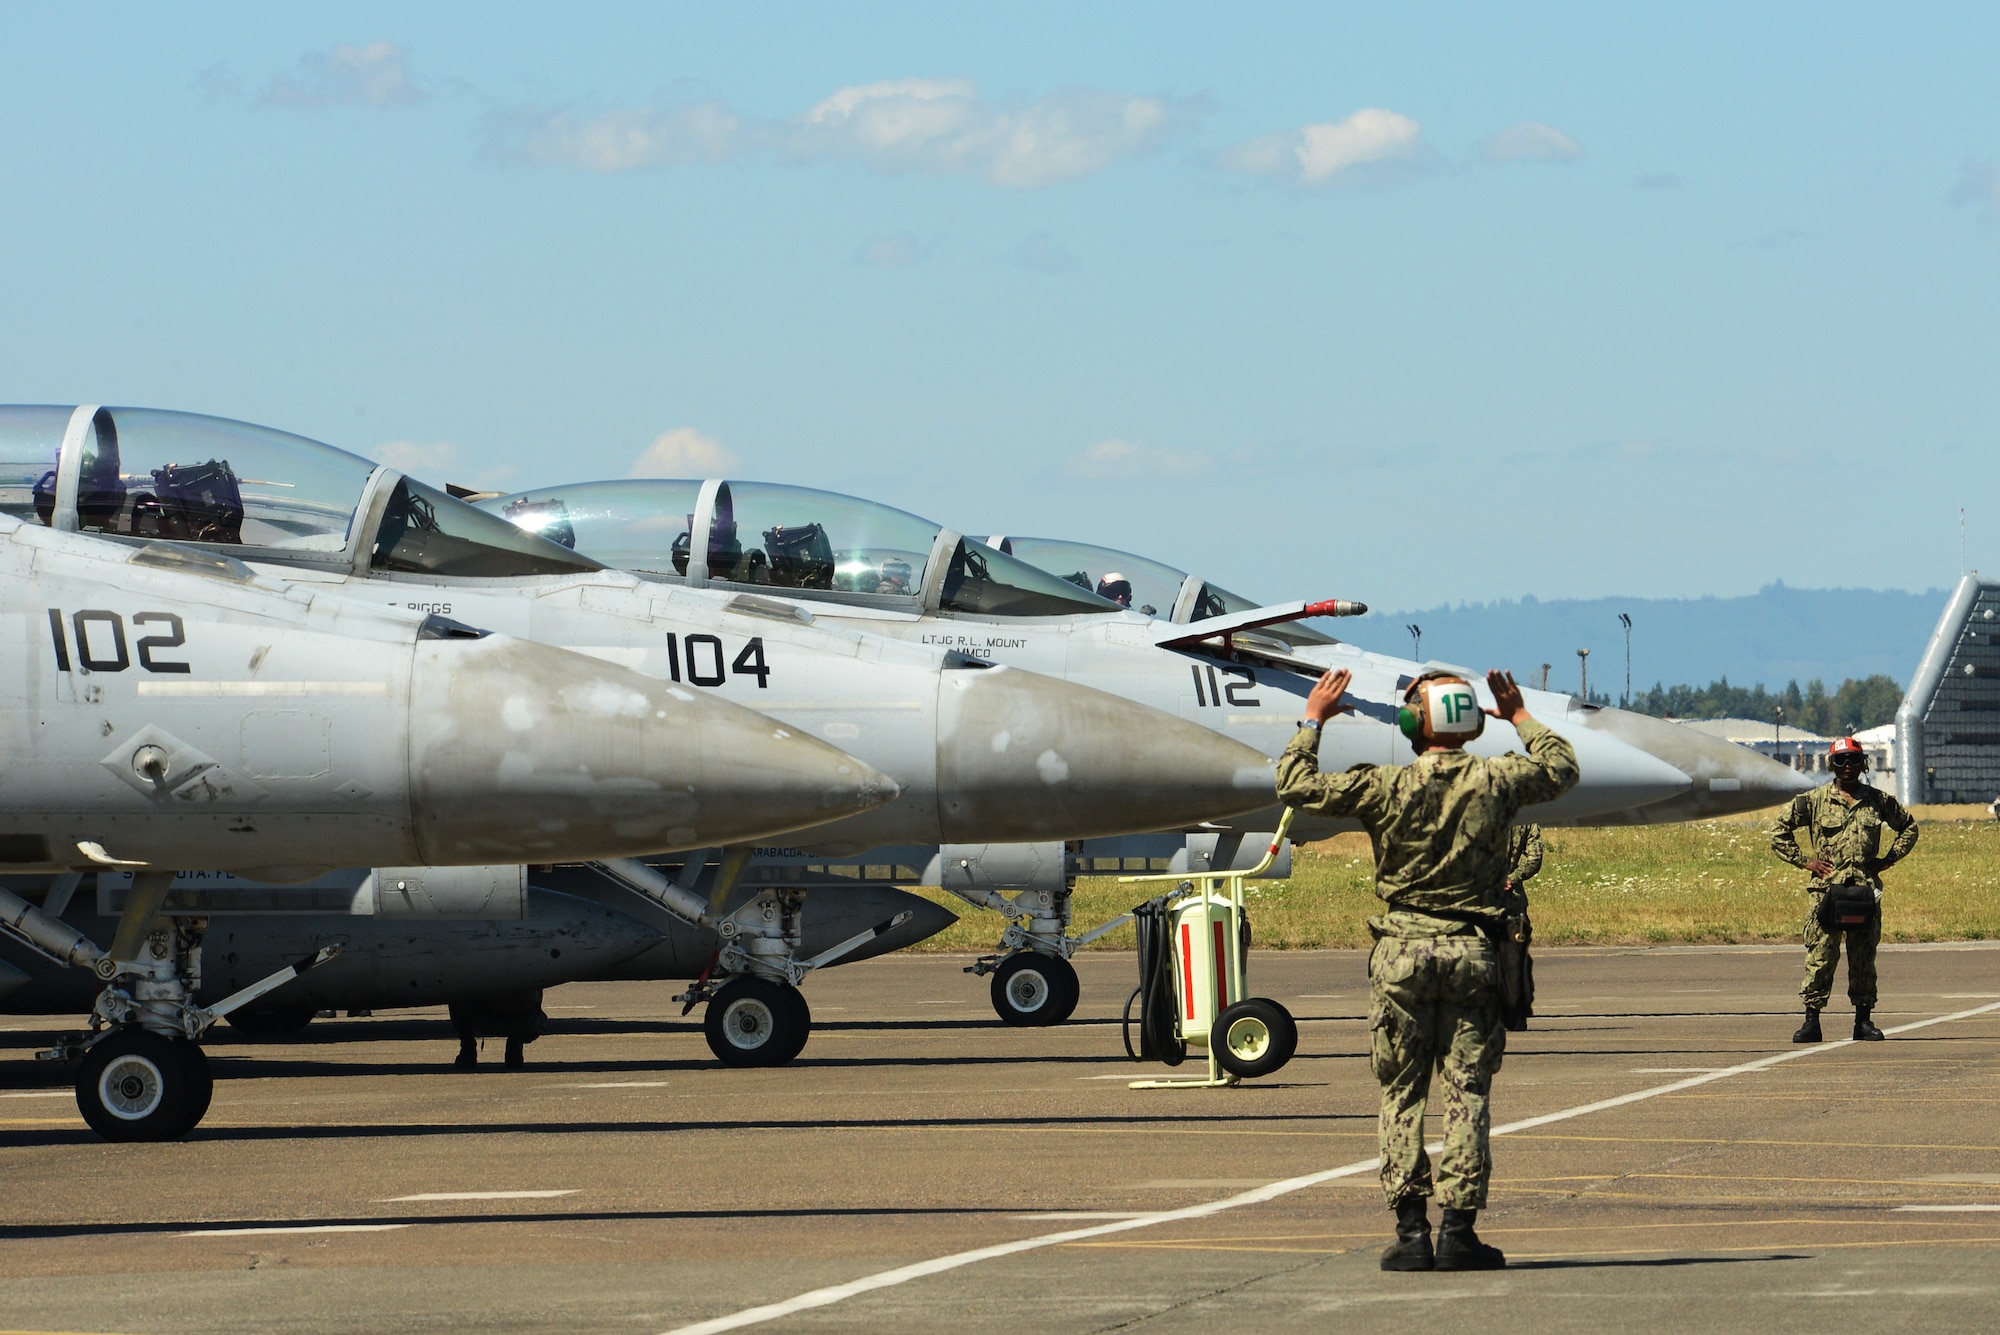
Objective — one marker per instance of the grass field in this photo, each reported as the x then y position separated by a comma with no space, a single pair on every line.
1714,881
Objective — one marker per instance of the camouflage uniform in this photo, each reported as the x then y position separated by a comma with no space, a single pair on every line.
1524,860
1846,831
1439,829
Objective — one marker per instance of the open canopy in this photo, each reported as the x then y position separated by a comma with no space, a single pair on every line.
819,543
151,474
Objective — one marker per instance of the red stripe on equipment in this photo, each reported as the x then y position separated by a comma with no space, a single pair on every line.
1221,972
1187,967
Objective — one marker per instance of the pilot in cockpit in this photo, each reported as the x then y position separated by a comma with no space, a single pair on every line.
1115,587
895,577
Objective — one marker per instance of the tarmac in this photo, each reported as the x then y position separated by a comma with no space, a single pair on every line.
1683,1167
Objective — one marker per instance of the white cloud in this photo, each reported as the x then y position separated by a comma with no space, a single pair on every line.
1979,187
1530,142
628,139
900,251
375,75
1369,146
684,452
937,127
1042,253
441,462
1125,461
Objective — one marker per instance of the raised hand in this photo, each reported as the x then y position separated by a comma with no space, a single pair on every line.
1324,702
1509,705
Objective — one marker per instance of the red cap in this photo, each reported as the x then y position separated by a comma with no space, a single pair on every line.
1846,746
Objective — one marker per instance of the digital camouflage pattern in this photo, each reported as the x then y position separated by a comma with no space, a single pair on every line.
1524,861
1823,954
1439,829
1434,1004
1846,830
1438,824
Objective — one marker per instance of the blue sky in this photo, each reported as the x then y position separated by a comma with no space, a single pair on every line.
1409,304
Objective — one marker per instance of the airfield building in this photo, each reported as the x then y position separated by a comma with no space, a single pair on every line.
1949,724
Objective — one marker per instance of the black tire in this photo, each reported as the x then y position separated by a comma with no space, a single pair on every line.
1030,989
755,1022
270,1021
134,1086
201,1082
1253,1037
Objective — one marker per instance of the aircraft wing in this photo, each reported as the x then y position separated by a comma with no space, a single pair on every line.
1218,629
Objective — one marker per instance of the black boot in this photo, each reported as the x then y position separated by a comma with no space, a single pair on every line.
1864,1028
515,1056
468,1053
1809,1031
1412,1248
1459,1248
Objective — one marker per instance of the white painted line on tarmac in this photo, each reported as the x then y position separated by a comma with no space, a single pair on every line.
620,1084
1946,1209
805,1302
1674,1070
480,1196
292,1228
42,1094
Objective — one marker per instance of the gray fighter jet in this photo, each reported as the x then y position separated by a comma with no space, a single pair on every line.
162,707
981,753
866,565
1724,779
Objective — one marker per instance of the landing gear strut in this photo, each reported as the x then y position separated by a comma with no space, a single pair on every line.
144,1076
756,1014
1034,984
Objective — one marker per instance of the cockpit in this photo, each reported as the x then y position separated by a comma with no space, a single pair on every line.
761,534
154,475
1151,587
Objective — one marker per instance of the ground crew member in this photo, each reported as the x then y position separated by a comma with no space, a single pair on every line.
1439,830
1846,818
1524,860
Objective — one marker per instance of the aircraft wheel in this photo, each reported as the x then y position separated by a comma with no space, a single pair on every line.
755,1022
201,1082
1253,1037
134,1086
1030,989
272,1022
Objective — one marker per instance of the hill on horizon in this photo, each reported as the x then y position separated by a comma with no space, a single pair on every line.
1773,636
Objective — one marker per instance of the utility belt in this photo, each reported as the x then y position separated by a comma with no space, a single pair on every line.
1510,935
1852,906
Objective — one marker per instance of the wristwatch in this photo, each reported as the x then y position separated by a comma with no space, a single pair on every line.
1312,723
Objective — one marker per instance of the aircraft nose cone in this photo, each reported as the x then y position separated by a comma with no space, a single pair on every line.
1614,777
1024,757
524,753
1726,778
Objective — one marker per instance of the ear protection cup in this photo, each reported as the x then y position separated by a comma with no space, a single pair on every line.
1408,720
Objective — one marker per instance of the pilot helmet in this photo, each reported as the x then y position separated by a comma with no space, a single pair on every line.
896,570
1115,587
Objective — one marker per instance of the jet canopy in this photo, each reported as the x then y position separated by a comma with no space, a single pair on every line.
150,474
762,534
1147,586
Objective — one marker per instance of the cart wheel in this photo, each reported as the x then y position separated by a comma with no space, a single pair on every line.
1253,1037
134,1086
756,1022
1034,989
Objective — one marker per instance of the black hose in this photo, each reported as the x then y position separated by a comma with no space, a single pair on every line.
1159,1040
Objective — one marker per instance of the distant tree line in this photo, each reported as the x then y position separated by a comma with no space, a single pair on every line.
1864,702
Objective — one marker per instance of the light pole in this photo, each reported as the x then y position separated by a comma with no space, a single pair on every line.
1583,667
1625,620
1417,638
1545,675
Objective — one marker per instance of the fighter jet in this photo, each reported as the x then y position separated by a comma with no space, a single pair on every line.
981,753
1724,779
162,707
858,563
